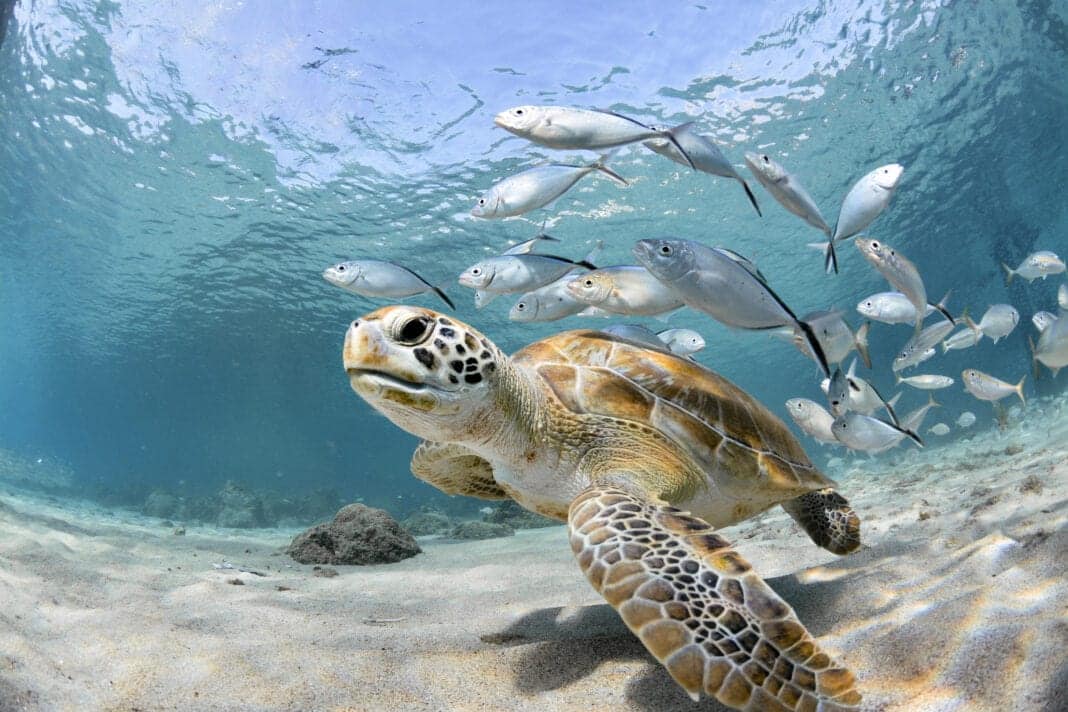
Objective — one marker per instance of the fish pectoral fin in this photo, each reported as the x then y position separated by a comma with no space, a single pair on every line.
752,198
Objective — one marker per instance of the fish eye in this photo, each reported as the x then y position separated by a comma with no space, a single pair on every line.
665,250
588,283
481,201
520,306
867,303
892,253
875,245
518,112
476,271
341,268
414,330
766,159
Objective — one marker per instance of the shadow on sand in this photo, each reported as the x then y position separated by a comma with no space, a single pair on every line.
564,645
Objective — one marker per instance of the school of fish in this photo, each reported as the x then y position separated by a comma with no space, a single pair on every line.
671,274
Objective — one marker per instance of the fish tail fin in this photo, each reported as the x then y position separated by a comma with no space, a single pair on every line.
941,306
861,340
444,297
945,312
592,254
889,405
919,325
974,327
815,347
852,369
600,165
1019,389
672,135
931,402
1009,273
752,198
830,259
897,378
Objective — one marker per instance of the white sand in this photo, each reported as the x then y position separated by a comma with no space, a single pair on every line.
963,610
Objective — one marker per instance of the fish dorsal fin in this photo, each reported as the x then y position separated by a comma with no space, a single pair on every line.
437,290
744,261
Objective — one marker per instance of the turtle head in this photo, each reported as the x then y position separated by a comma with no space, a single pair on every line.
428,373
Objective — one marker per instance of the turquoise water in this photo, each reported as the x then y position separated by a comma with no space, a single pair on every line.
174,178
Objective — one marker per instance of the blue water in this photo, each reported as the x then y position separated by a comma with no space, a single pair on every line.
174,177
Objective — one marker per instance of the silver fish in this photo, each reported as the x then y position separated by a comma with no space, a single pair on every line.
863,397
863,432
988,388
901,273
963,339
966,419
868,197
812,418
379,278
528,246
1062,297
637,333
912,421
927,381
1042,319
1038,264
835,336
999,321
535,188
893,308
548,303
721,284
786,189
508,274
1051,350
566,127
939,429
920,346
624,289
704,155
682,341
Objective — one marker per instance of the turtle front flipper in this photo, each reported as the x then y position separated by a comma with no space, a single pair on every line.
454,469
699,609
828,519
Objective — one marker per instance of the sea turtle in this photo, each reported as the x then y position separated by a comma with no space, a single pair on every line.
644,454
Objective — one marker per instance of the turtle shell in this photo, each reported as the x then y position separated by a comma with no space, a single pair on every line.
732,437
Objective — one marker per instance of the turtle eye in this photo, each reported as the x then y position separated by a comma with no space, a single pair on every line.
414,330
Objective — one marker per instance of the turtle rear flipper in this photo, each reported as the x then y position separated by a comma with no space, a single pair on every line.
454,469
698,607
828,519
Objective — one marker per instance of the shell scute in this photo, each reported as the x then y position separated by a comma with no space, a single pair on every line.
720,425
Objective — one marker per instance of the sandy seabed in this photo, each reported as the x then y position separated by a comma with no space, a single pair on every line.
958,601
